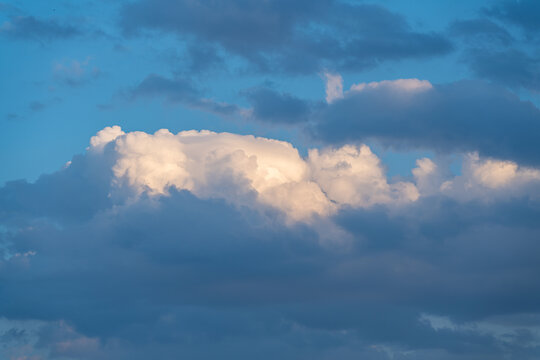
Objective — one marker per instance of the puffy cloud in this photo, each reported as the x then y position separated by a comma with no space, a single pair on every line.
354,176
489,178
105,136
235,167
175,245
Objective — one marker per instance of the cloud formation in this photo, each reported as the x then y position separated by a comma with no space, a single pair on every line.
242,169
199,244
272,36
464,116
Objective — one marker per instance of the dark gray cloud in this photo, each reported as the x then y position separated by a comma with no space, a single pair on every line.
32,28
202,58
480,32
275,107
179,91
494,54
174,90
523,13
276,35
509,67
179,276
462,116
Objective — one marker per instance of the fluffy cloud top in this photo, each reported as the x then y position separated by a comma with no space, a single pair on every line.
265,173
237,168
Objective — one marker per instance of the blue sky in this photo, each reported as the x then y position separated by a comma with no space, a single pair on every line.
269,179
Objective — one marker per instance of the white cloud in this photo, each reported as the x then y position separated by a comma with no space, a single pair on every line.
334,86
240,168
105,136
480,178
354,176
486,178
497,174
259,172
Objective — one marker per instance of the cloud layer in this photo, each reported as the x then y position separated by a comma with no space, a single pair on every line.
202,244
457,117
272,36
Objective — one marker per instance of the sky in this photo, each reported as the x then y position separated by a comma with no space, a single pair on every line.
262,179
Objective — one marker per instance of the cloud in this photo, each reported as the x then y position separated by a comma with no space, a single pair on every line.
495,51
354,176
182,244
180,91
414,114
32,28
404,86
274,35
243,168
334,87
280,108
36,106
481,32
75,72
510,67
521,13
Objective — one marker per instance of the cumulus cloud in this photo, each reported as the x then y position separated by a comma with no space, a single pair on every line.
499,179
235,167
203,244
105,136
354,176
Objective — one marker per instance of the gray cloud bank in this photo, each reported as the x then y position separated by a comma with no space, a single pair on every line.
276,35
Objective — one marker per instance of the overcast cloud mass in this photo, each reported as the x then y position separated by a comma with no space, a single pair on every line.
248,179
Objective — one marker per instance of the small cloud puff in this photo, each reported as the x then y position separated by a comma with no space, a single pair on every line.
334,87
